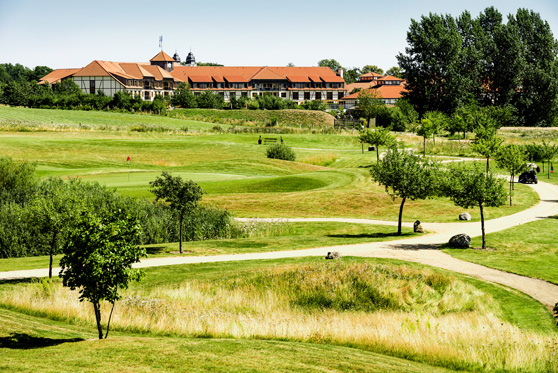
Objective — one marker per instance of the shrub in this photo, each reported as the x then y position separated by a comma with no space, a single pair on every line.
281,151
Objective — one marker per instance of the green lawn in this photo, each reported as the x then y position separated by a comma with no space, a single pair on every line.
296,236
529,249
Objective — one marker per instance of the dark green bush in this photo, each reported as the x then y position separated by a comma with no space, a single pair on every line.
281,151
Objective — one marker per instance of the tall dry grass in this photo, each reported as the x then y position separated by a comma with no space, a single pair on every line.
419,324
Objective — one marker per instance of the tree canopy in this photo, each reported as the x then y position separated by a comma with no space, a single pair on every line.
98,259
406,176
452,61
182,196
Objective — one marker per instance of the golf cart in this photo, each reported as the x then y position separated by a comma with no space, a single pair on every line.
529,177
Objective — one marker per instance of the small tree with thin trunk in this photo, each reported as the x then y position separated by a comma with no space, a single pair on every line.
512,158
377,136
98,259
182,196
548,152
369,102
406,176
470,188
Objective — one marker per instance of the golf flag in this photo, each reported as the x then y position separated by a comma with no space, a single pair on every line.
551,168
128,160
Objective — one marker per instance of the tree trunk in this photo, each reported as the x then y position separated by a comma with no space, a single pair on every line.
482,228
180,239
110,317
52,246
487,164
97,309
511,188
400,217
377,154
424,147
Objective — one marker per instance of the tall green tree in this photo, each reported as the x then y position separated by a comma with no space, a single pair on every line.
368,103
331,63
182,196
17,181
395,71
470,188
183,97
98,259
430,126
513,159
406,176
486,142
431,64
377,137
537,100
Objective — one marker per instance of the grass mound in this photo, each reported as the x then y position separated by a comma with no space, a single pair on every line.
367,287
284,118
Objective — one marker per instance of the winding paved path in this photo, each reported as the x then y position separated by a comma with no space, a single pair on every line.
420,249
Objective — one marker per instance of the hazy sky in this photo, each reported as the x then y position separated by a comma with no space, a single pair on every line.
64,33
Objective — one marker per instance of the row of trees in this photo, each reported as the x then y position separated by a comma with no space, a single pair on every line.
410,177
451,62
18,73
68,95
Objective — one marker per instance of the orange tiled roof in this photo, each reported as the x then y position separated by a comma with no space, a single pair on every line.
384,91
361,85
162,57
390,77
293,74
57,75
371,74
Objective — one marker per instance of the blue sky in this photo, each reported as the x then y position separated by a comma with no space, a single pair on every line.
64,33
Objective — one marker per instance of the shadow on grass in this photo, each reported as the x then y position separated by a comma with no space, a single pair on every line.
22,341
415,246
154,250
369,235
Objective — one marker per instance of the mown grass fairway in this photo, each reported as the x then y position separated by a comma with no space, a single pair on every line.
232,168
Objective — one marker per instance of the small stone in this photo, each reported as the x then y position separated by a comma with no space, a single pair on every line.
417,227
333,255
460,241
465,216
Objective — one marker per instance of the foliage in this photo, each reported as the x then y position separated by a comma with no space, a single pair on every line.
18,73
452,61
430,126
98,259
182,196
487,146
512,158
368,104
17,181
470,188
372,68
280,151
406,176
331,63
317,105
377,136
395,71
183,97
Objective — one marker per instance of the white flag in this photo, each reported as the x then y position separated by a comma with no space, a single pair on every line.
161,41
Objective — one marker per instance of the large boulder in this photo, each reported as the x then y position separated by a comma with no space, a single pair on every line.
417,227
465,216
333,255
460,241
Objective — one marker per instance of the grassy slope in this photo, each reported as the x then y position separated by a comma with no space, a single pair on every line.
529,250
33,344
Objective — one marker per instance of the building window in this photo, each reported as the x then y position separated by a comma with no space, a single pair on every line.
244,94
340,95
283,94
295,95
306,95
92,87
318,95
330,95
147,95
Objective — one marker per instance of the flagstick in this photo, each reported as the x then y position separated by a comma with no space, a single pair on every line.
128,171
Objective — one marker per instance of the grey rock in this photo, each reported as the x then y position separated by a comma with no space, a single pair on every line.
333,255
417,227
460,241
465,216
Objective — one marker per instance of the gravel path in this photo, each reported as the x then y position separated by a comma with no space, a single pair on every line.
419,249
